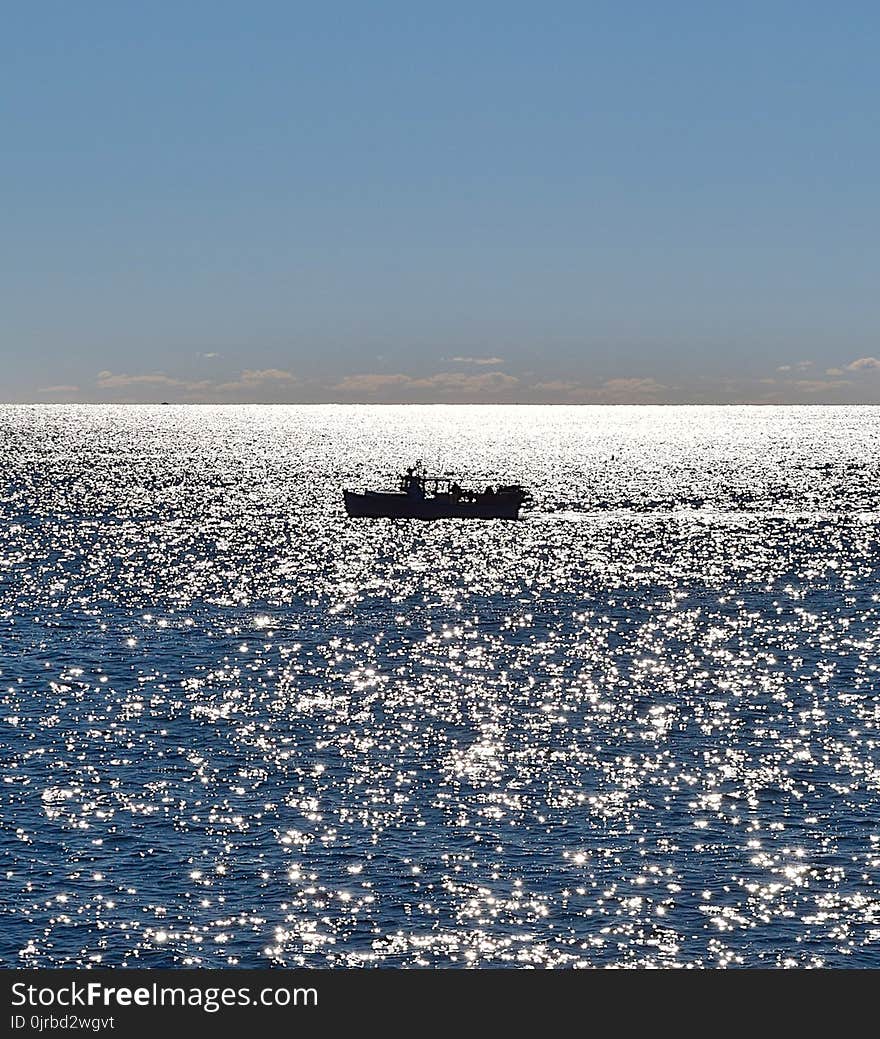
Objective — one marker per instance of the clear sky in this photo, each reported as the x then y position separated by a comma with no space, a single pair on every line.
461,201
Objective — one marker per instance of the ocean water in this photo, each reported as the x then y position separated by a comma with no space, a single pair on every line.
640,727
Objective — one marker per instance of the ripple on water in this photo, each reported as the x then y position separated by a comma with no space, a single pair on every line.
638,728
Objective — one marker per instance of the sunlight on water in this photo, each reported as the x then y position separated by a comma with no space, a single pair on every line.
639,727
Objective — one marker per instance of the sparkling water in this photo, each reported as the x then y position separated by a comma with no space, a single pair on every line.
640,726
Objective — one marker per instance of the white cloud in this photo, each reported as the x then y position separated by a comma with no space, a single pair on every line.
463,386
482,384
251,379
443,384
251,384
820,385
863,364
111,380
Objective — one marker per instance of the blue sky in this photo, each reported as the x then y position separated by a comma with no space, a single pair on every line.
483,201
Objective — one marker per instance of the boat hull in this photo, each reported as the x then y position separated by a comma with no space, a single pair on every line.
377,505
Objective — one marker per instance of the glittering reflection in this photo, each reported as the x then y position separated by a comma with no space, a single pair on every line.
638,728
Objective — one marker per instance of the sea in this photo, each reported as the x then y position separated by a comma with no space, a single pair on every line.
640,727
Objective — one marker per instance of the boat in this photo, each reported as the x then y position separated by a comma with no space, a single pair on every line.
420,496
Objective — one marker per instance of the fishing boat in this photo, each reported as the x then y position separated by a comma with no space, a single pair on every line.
420,496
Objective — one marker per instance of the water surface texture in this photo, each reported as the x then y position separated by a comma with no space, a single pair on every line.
639,727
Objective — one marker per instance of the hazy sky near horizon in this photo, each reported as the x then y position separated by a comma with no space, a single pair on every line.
470,201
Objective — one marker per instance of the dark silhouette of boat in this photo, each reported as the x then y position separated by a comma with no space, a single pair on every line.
426,497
